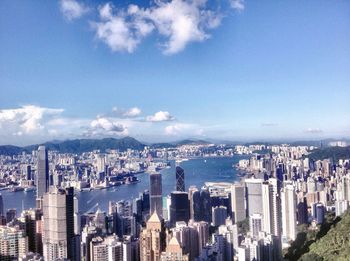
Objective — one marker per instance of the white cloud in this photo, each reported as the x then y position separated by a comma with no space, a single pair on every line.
160,116
26,119
183,129
106,126
313,130
237,4
121,31
179,22
182,22
132,112
129,113
72,9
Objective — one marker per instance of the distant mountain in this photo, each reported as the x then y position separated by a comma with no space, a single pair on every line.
10,150
192,142
163,145
78,146
179,143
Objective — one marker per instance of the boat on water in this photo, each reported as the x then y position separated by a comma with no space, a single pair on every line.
29,189
131,180
16,189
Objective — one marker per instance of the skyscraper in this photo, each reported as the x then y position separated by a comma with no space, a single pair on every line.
179,207
288,199
205,205
254,198
1,206
180,179
271,205
13,243
156,202
58,236
255,224
174,252
42,175
195,203
237,202
152,239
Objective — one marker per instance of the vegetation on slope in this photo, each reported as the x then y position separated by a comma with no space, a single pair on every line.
335,245
334,153
330,242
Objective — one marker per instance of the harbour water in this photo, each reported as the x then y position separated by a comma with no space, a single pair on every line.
197,172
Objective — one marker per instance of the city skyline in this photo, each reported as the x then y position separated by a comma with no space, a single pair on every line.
232,70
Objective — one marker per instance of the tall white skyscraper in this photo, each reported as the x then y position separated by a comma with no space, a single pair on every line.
288,199
271,205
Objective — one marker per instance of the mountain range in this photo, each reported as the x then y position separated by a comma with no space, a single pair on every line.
84,145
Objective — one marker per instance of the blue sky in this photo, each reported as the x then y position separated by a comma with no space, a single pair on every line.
166,70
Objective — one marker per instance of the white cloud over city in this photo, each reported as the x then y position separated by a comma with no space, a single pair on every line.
176,23
38,124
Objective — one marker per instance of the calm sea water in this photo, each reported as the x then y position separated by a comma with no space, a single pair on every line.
197,172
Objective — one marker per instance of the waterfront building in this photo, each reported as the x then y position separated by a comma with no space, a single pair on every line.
180,179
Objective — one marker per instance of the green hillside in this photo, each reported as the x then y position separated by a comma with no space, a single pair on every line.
334,245
334,153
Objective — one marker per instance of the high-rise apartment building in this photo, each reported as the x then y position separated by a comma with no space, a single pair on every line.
271,205
255,224
288,199
58,232
13,243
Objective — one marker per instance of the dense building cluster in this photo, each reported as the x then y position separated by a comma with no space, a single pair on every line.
254,218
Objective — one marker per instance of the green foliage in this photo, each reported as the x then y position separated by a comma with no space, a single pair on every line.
334,153
332,241
305,238
243,226
335,244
